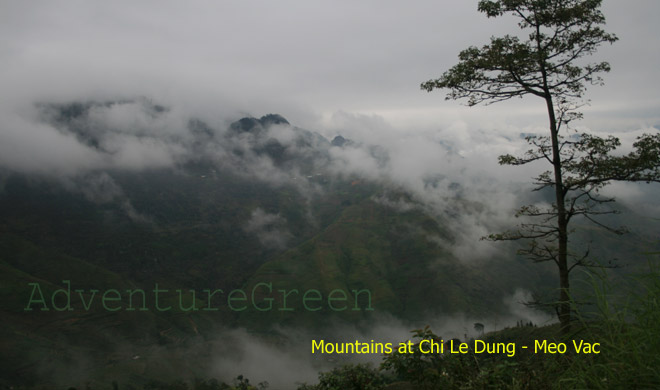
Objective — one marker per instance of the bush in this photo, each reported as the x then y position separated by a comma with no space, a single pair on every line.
349,377
629,336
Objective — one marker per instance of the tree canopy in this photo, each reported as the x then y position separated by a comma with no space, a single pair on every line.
546,60
542,64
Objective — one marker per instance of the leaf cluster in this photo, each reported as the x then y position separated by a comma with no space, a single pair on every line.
589,163
348,377
542,64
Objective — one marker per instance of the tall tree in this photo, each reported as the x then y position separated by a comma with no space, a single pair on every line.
546,63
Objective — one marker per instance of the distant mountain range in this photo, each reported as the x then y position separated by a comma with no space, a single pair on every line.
254,209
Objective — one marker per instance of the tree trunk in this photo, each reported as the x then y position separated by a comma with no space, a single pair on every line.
564,310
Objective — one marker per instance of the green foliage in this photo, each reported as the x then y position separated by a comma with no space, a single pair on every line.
451,371
423,370
349,377
211,384
542,64
159,385
629,335
546,63
240,383
243,383
588,165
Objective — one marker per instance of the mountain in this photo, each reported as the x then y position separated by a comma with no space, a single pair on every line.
129,252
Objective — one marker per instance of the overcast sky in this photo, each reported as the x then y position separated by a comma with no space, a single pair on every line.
334,66
306,60
348,67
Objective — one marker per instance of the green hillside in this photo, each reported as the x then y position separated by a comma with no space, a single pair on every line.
140,271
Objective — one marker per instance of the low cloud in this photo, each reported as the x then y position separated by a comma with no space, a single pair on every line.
451,170
270,229
289,361
101,188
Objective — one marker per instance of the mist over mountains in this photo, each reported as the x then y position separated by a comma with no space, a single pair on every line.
127,194
199,189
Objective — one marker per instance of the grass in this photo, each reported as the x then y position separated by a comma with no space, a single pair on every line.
627,333
630,337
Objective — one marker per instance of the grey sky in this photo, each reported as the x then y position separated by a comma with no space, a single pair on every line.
334,66
304,59
349,67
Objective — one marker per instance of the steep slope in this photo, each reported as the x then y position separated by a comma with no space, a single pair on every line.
392,255
255,210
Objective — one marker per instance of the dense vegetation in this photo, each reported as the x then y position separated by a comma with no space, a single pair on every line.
546,60
628,337
195,227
